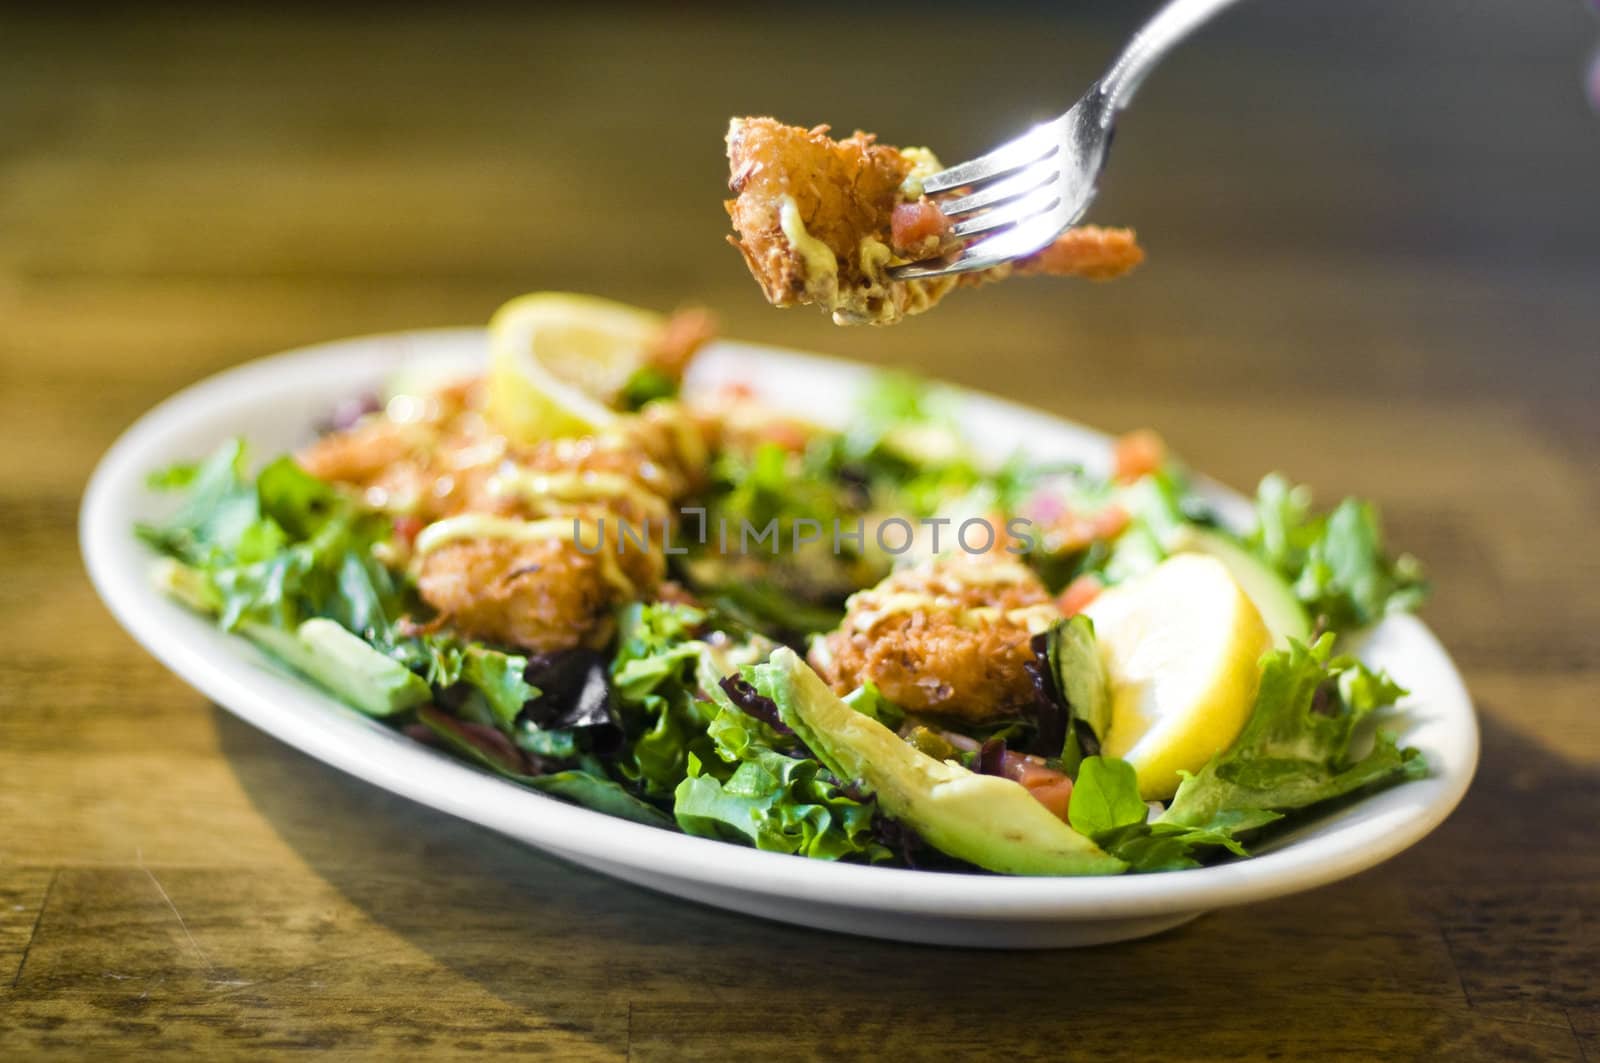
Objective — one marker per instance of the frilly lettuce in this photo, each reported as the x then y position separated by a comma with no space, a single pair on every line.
731,775
1335,562
771,800
1298,748
265,554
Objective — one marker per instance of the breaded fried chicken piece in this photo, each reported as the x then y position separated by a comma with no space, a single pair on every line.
822,221
425,456
543,595
545,559
542,584
949,636
497,558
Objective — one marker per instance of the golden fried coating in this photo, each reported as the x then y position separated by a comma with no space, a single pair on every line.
425,456
633,470
613,492
497,558
551,591
814,216
1087,251
822,221
949,636
684,333
540,596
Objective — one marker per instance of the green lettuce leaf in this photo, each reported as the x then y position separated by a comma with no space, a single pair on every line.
731,776
1080,676
271,552
647,384
869,701
1335,562
1166,846
1298,747
586,785
1105,797
656,679
500,677
218,509
1107,807
771,800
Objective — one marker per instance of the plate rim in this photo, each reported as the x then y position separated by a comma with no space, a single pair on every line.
381,756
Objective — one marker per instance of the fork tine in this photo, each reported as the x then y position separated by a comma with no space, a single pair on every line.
1038,201
1037,143
1019,241
1019,183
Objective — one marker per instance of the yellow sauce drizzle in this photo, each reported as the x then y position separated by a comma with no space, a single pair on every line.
541,489
488,526
1033,617
924,164
818,257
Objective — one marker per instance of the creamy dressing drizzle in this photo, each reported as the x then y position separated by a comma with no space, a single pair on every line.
818,257
1035,617
583,531
547,490
924,164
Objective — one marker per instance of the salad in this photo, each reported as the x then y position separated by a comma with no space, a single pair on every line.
862,644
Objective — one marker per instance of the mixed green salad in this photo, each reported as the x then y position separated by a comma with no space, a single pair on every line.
1116,683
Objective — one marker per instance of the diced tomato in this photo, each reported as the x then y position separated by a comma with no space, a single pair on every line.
1056,796
1049,787
1109,522
912,224
407,528
1078,594
1138,454
1026,769
789,435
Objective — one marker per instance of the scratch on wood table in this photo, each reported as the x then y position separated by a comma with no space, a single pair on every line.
167,897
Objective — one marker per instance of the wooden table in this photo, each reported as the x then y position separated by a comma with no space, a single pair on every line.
1374,262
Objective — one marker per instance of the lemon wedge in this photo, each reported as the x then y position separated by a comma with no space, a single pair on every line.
1181,644
558,362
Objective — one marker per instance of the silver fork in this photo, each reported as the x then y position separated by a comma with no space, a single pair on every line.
1029,190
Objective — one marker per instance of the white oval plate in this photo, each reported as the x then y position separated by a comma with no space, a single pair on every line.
276,402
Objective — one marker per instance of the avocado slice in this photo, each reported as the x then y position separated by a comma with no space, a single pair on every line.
983,819
344,664
1285,617
322,650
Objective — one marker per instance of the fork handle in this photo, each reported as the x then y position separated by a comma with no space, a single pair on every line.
1174,22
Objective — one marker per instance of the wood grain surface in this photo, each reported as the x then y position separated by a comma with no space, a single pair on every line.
1374,263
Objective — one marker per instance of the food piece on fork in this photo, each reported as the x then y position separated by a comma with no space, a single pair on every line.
823,221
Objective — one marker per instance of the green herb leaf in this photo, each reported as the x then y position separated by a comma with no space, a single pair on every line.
647,384
1105,797
1335,563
